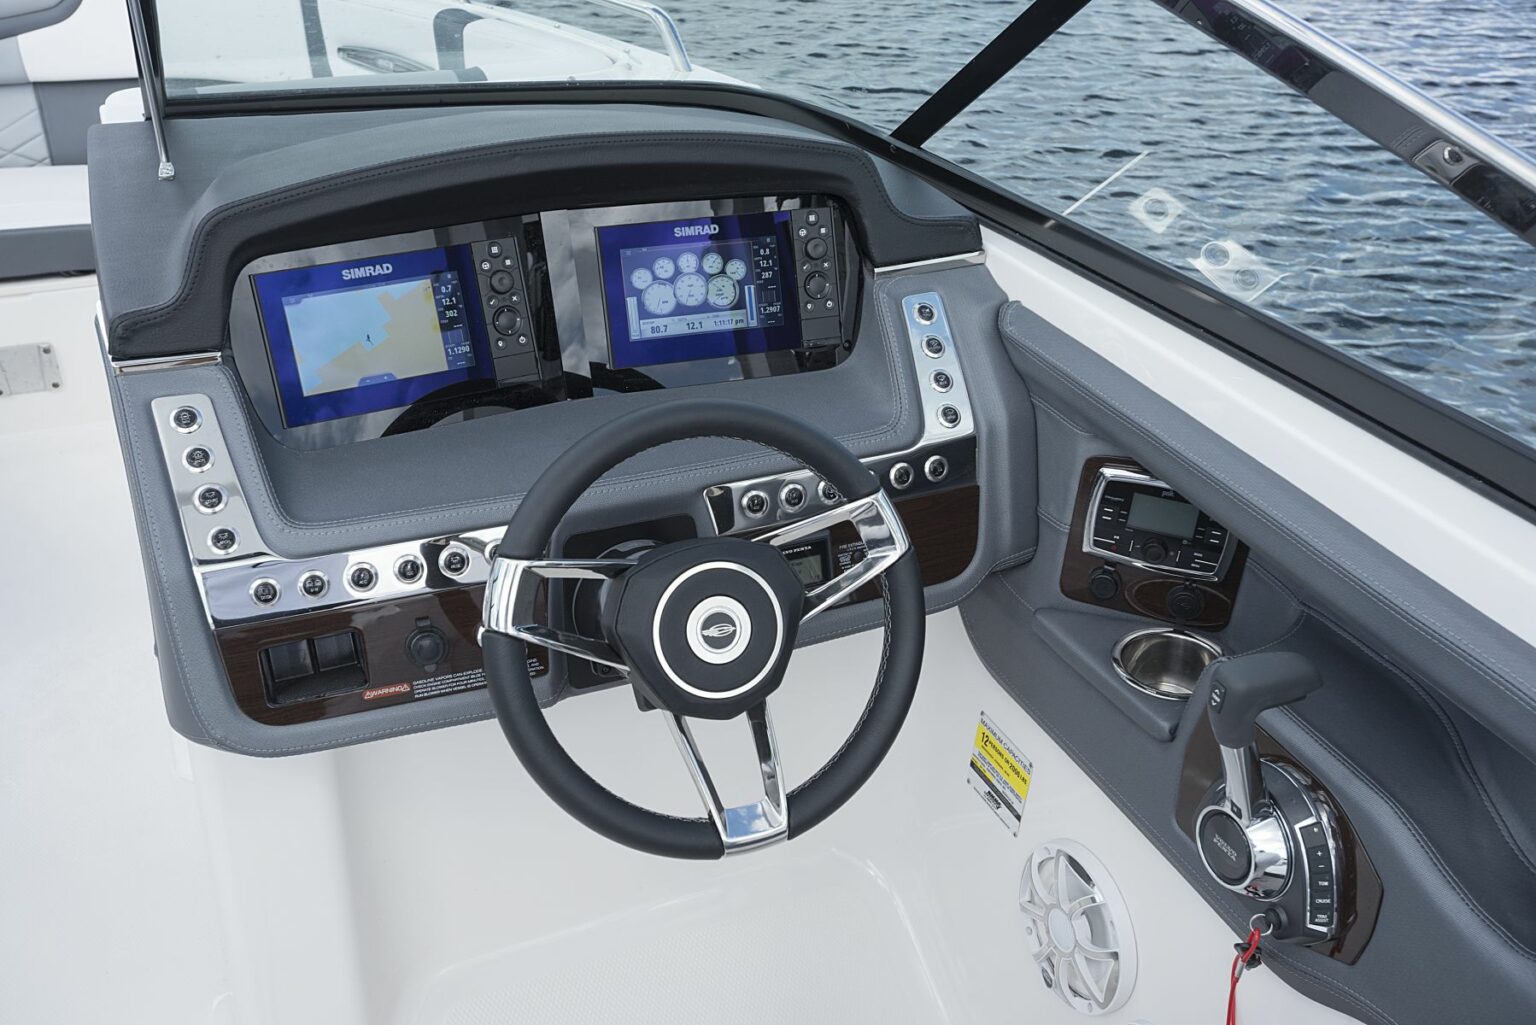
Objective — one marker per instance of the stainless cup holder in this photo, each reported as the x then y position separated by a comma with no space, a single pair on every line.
1164,662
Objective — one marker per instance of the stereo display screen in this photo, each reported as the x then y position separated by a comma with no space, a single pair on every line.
1163,516
361,336
702,288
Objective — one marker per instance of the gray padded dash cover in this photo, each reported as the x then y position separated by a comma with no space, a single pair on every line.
251,186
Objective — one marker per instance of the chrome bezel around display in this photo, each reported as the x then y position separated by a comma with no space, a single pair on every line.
1108,474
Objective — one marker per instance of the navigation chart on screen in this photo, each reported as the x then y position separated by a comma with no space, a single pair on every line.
360,336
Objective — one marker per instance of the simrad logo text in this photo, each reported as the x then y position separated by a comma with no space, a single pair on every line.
690,230
373,270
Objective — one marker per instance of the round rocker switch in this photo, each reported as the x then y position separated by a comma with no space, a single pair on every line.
454,561
792,497
210,499
265,591
1104,583
197,458
362,578
314,584
933,345
408,569
901,476
754,504
186,419
829,494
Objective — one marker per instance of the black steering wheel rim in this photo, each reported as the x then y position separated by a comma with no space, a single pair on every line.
527,537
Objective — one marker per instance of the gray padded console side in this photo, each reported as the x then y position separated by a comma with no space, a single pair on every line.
1477,664
1408,767
246,187
471,475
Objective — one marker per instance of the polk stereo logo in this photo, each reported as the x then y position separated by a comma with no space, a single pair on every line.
692,230
373,270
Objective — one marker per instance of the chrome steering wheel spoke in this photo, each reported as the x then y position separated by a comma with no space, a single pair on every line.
748,826
879,528
511,594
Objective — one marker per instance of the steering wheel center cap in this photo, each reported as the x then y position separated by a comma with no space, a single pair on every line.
719,629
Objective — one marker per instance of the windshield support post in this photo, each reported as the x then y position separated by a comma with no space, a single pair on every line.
1033,26
150,88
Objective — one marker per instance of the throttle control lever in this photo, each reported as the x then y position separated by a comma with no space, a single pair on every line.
1263,832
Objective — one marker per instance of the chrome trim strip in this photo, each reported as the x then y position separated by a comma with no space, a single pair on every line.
151,88
971,259
178,362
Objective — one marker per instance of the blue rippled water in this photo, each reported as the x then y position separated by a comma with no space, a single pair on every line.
1223,174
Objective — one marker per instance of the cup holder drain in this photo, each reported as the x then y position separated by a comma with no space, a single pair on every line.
1163,662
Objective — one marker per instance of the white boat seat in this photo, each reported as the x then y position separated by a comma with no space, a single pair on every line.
45,221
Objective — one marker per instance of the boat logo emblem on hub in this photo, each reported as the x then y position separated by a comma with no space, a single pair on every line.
718,629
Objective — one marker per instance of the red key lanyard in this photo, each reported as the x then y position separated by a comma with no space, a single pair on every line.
1247,952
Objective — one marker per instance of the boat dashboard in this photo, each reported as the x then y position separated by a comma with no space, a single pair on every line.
369,338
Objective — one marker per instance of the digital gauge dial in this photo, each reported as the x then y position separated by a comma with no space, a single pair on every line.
687,263
641,278
659,299
713,263
722,290
664,267
690,288
737,269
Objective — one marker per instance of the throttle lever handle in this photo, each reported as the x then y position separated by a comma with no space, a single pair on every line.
1243,687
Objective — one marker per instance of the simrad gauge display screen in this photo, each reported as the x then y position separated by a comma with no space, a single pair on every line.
365,335
701,288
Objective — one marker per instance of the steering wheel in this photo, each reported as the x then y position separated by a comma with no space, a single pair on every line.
703,629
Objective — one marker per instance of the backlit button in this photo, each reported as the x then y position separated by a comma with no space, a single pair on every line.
949,416
933,346
186,419
223,540
265,591
454,561
936,468
210,499
925,313
362,577
792,497
408,569
901,476
941,381
197,458
754,504
829,494
314,584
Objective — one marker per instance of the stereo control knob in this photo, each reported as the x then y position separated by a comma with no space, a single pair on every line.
502,282
507,320
817,286
1104,583
1154,551
816,248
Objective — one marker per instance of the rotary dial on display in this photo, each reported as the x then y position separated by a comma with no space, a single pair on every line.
687,263
659,298
690,288
713,262
664,267
722,291
737,269
641,278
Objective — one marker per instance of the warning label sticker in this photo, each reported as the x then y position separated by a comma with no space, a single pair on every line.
999,774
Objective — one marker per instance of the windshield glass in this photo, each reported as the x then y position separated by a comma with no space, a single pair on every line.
875,61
